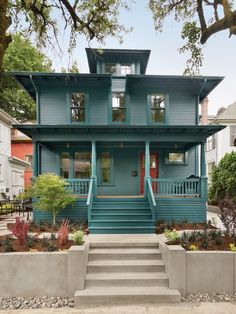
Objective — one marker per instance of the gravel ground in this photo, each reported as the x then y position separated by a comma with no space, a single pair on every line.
206,297
35,303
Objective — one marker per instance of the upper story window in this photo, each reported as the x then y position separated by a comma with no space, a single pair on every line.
118,107
233,135
125,69
110,68
211,142
157,108
29,159
78,113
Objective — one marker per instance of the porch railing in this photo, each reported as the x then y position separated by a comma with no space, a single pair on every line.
78,186
89,202
151,197
176,187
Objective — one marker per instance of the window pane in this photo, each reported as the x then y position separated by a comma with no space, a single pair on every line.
65,165
118,100
82,165
110,68
78,114
177,157
118,107
118,114
78,107
157,101
125,69
158,115
106,167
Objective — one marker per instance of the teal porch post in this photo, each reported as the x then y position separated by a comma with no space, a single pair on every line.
94,166
203,172
35,159
147,166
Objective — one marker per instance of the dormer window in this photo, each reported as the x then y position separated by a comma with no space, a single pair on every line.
110,68
78,107
125,69
118,107
157,108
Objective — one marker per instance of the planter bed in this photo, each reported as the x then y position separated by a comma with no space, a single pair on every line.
179,226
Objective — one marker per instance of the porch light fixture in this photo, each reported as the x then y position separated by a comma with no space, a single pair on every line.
67,145
121,145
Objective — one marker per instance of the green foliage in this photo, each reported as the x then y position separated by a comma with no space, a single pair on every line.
193,247
20,55
171,235
224,179
232,247
7,244
51,194
78,237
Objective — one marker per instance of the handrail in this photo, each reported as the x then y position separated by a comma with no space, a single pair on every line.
90,198
151,197
78,186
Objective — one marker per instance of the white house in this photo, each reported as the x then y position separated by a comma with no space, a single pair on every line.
224,141
11,168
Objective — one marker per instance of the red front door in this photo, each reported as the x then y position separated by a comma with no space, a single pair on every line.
153,168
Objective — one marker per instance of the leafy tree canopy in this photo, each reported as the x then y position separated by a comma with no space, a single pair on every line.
224,179
20,55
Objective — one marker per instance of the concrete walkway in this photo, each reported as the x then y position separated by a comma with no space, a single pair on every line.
183,308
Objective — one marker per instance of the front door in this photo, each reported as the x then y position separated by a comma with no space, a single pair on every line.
153,168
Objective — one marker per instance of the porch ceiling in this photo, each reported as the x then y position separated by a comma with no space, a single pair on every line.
164,136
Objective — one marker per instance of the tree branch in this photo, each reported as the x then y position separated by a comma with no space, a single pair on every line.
201,15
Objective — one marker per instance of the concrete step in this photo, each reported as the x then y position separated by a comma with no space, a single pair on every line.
121,223
116,245
112,266
126,279
126,295
121,254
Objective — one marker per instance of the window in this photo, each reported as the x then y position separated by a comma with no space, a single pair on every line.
233,135
65,165
210,167
82,165
118,107
110,68
211,142
157,108
78,113
176,158
17,178
125,69
106,167
29,159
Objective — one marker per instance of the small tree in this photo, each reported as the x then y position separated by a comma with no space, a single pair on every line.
51,194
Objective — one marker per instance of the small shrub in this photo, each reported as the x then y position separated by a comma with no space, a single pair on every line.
193,236
53,236
205,239
184,240
62,234
20,230
78,237
47,243
171,235
30,241
7,244
213,234
193,247
232,247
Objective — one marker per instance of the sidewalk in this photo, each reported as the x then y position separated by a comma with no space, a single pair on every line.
182,308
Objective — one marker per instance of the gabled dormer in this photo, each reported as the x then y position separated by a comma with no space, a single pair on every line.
118,62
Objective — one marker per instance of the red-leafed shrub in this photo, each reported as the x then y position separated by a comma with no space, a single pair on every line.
62,234
20,230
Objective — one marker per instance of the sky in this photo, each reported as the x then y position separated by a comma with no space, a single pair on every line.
219,53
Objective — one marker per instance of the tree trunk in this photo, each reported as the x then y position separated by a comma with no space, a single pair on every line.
54,217
4,38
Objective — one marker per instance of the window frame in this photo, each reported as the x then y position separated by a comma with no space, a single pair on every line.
149,108
86,106
111,182
125,108
176,163
211,142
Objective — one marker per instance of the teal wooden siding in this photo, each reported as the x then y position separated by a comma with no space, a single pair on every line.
76,212
49,161
138,107
98,106
179,209
118,84
182,109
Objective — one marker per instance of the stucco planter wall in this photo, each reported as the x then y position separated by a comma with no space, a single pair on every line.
43,273
199,271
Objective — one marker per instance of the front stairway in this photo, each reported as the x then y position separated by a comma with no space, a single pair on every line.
125,273
121,216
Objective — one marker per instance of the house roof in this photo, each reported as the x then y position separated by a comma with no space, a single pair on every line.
196,85
117,55
228,115
18,161
5,117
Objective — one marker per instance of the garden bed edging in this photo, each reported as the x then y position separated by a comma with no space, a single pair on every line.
36,274
199,271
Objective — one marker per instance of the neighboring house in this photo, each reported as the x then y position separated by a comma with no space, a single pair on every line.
11,168
222,142
21,147
126,142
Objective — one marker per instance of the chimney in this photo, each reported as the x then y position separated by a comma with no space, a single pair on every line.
204,111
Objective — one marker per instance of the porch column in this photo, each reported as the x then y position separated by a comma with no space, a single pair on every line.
147,165
203,192
35,159
94,164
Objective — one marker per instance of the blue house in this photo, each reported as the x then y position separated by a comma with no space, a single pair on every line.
129,144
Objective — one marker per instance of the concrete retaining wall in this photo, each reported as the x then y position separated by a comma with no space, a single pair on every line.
43,273
198,271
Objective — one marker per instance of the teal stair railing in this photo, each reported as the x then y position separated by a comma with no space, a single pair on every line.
151,197
176,187
90,197
78,186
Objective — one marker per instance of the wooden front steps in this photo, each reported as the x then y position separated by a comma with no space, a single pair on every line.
125,273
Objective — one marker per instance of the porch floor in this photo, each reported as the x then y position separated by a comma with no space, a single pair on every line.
121,196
